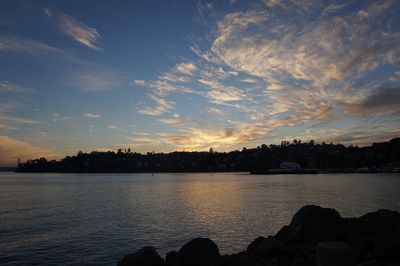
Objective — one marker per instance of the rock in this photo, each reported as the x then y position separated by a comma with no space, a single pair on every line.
172,258
256,242
380,263
239,259
355,230
364,248
387,248
381,221
316,236
304,258
397,231
332,253
146,256
275,261
314,222
281,235
199,252
267,247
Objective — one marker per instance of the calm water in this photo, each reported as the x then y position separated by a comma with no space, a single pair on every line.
96,219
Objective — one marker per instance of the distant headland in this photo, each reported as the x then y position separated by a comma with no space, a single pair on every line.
286,158
316,236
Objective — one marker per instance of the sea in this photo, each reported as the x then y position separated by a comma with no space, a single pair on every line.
96,219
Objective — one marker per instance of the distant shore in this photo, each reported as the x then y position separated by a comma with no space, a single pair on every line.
315,236
287,158
323,171
257,172
7,168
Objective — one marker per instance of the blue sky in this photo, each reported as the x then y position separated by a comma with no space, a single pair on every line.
190,75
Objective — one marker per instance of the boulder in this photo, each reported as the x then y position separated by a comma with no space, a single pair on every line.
199,252
315,222
239,259
304,257
387,249
267,247
281,235
316,236
332,253
146,256
172,258
381,221
256,242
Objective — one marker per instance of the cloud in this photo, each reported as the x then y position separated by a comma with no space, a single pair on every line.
294,5
285,65
144,140
202,139
55,116
334,8
18,120
186,68
115,127
13,43
98,80
249,80
91,116
17,44
11,149
7,127
213,110
8,87
176,119
273,49
75,29
162,106
382,100
220,93
307,63
68,120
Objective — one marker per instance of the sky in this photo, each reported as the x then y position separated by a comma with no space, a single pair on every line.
185,75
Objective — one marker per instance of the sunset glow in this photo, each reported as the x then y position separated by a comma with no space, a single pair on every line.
189,75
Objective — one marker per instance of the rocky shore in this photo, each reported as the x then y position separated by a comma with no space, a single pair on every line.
315,236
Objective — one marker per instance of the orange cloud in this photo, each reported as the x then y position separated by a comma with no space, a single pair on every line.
12,149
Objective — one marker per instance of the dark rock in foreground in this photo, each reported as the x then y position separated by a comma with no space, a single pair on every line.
146,256
315,237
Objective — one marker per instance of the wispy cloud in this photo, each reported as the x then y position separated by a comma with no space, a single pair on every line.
91,116
76,29
97,79
115,127
10,43
186,68
68,120
307,71
220,93
162,106
18,120
144,140
249,80
225,138
176,119
7,127
213,110
382,100
12,149
13,43
8,87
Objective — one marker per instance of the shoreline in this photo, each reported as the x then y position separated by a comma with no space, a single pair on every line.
316,236
261,172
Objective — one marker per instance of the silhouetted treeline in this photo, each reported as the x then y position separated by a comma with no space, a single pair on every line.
335,157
